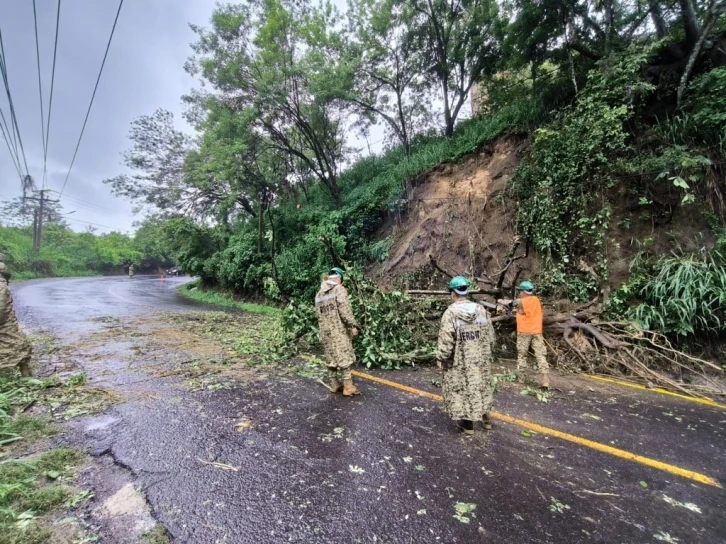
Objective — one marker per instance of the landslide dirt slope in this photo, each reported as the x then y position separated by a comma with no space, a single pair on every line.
460,214
463,215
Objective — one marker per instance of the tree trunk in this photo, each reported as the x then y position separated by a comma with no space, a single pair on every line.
447,108
690,22
715,12
402,120
332,184
259,223
656,14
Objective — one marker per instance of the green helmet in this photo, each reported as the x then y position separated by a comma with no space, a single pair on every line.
338,271
526,286
459,283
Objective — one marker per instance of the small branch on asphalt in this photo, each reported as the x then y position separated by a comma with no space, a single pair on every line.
600,494
215,464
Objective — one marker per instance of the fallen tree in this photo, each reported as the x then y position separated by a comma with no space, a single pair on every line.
401,329
584,341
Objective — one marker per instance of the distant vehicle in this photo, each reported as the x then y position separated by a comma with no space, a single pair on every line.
174,272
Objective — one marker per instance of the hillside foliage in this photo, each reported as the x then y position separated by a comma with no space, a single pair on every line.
65,252
619,99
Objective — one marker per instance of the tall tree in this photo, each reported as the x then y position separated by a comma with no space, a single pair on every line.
389,73
276,60
461,40
239,161
156,160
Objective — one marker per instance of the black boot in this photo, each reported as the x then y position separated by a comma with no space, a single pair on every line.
466,425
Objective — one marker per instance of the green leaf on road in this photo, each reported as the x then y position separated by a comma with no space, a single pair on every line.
464,509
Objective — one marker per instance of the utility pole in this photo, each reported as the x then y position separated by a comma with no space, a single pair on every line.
39,217
35,230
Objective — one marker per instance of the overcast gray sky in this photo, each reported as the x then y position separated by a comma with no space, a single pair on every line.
144,71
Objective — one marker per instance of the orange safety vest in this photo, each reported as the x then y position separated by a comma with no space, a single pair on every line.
529,318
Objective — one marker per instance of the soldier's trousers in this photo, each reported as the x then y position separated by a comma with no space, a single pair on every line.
340,373
524,341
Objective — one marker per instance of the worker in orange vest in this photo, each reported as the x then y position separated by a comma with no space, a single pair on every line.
528,310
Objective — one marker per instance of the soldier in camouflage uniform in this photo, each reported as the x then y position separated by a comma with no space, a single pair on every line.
15,348
337,327
132,271
466,337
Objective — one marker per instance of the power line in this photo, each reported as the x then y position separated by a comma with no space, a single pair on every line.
78,202
13,156
7,129
50,101
40,85
14,119
89,223
93,96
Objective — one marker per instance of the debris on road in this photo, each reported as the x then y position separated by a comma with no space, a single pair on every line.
223,466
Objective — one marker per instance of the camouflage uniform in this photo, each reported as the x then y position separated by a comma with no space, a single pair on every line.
524,341
132,271
336,320
466,337
15,348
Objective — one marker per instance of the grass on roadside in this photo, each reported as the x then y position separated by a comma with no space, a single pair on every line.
63,399
157,535
192,290
31,487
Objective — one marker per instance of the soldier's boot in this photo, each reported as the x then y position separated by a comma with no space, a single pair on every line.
466,426
545,381
487,422
25,369
349,389
335,386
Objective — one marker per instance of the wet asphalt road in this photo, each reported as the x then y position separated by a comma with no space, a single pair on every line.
387,466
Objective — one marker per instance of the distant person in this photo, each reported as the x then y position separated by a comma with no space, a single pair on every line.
15,349
337,327
464,354
530,324
132,271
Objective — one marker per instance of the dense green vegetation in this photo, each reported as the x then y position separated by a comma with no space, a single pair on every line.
68,253
624,102
224,299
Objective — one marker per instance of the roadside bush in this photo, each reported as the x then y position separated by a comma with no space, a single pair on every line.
562,210
240,266
707,104
681,294
394,331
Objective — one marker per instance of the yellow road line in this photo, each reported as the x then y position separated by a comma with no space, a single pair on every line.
623,454
396,385
707,402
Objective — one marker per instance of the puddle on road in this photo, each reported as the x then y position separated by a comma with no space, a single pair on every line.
100,422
